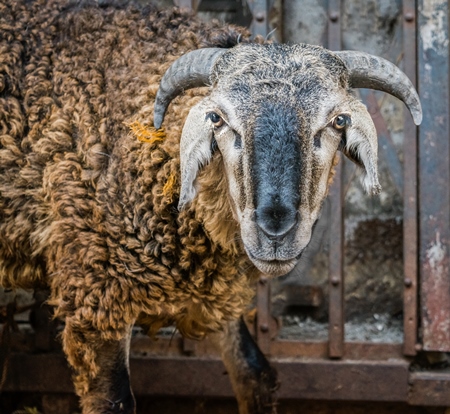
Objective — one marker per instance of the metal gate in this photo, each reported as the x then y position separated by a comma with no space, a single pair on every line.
333,369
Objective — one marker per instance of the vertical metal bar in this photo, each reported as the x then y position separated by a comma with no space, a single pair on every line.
263,333
260,11
260,26
434,174
410,212
336,271
187,4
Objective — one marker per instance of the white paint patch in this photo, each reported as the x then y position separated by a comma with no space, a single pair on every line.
436,255
433,32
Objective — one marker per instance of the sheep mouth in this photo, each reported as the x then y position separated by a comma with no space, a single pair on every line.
274,267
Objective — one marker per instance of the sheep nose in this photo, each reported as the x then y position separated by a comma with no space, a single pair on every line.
276,220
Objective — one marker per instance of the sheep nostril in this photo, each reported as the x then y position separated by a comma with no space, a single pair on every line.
276,221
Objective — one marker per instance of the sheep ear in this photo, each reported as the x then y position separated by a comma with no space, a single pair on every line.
195,151
360,145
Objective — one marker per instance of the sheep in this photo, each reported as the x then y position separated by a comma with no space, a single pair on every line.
128,223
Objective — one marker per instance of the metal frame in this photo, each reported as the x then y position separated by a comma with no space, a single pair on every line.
410,210
434,175
336,332
260,16
365,373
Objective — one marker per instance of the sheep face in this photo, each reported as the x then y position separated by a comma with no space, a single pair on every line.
277,115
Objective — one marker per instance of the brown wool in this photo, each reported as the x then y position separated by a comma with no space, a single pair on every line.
90,209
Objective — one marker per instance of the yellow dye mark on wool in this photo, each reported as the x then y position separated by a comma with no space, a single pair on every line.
169,187
146,134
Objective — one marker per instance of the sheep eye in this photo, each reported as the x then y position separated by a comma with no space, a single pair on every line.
341,121
216,119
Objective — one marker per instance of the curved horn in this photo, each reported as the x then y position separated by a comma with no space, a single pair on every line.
189,71
368,71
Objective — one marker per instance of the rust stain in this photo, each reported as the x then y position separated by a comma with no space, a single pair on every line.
436,304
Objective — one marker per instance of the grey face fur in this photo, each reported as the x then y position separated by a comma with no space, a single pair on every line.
278,114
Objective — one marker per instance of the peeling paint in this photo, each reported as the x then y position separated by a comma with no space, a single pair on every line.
436,307
434,175
433,31
436,255
299,29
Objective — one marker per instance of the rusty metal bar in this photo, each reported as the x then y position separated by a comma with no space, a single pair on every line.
191,376
176,346
344,380
312,378
263,331
279,348
430,388
260,12
410,212
185,376
336,271
47,372
356,351
187,4
434,174
260,26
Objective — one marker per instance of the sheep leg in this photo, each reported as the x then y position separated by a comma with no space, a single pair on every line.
102,367
254,381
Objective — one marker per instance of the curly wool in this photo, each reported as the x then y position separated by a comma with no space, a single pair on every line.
85,206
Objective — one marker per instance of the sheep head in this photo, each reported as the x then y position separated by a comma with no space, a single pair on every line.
278,114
